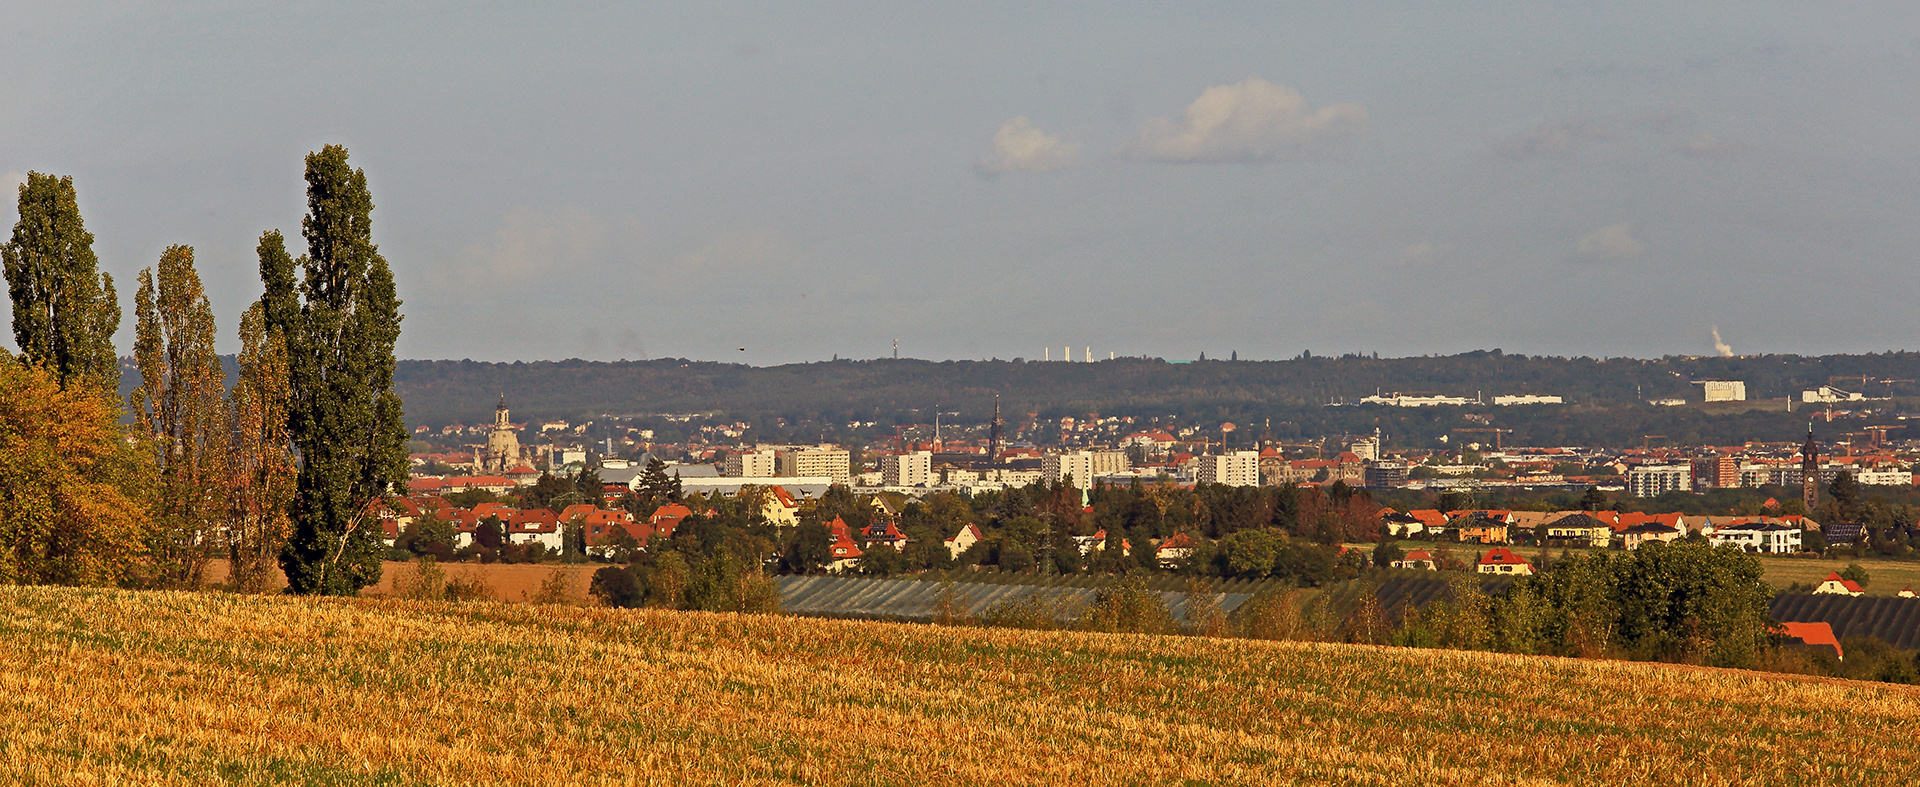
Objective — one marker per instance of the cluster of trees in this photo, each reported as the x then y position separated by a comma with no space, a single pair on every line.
283,468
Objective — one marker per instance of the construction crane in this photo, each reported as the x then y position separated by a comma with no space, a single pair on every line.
1496,434
1646,441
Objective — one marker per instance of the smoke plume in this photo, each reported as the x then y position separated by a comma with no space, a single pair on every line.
1721,347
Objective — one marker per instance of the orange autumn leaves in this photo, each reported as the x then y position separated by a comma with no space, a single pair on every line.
70,514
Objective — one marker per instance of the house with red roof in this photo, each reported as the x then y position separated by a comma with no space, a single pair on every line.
1814,636
1834,585
779,508
1173,549
1419,558
884,533
843,554
1501,560
967,537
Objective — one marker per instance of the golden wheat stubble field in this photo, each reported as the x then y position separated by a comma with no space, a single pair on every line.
193,688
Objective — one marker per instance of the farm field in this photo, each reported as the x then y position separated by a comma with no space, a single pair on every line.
1888,576
105,686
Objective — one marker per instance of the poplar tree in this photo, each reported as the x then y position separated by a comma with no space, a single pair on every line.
339,326
180,412
64,311
261,465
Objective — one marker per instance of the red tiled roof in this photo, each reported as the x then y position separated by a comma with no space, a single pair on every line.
1814,634
1499,556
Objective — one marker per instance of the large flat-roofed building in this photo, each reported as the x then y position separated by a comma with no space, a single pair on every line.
1083,466
751,464
1725,390
909,469
820,461
1240,468
1654,480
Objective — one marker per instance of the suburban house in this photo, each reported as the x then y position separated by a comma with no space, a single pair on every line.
1174,549
883,532
539,526
1760,536
967,537
1834,585
1098,543
1501,560
1579,530
843,555
1481,529
1419,558
779,508
1401,525
1633,537
1815,636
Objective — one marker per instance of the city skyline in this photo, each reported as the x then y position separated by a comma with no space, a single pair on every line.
601,182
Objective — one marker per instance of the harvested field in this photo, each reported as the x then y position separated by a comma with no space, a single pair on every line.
507,581
105,686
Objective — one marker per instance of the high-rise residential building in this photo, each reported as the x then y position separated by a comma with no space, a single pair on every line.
1240,468
909,469
751,464
1715,472
1083,466
822,461
1653,480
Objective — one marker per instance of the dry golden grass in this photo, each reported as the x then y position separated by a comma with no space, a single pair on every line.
106,687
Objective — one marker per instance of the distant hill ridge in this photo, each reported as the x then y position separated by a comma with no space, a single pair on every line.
883,390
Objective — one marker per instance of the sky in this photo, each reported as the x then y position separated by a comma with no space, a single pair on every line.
775,183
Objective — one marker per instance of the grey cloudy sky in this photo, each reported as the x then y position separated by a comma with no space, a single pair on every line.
603,180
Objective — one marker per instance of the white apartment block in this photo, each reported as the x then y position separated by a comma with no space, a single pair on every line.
1082,466
756,464
913,469
829,462
1652,480
1878,477
1240,468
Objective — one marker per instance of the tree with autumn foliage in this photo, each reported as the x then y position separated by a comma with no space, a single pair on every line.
339,324
180,417
72,512
261,469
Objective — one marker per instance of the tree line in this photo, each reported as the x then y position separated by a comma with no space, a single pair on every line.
282,469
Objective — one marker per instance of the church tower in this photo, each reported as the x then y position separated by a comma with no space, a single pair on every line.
503,446
1809,471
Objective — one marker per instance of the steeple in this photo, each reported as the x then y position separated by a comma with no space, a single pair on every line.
500,413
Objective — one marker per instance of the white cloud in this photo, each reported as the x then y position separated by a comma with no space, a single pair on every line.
1609,243
1252,120
1021,146
531,242
745,253
1707,146
1551,138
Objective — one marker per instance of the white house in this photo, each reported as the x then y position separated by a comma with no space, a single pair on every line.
1834,585
967,537
1758,537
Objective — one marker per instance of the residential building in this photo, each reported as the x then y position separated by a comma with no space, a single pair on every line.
1764,537
1174,549
1646,532
1715,472
818,461
1834,585
967,537
1240,468
1419,558
1082,466
1579,530
751,464
1501,560
909,469
1482,530
1655,480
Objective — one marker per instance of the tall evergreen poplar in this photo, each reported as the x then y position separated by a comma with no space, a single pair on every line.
181,410
339,326
64,311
